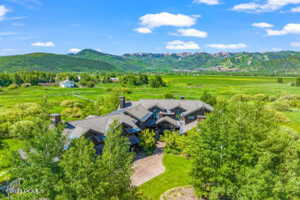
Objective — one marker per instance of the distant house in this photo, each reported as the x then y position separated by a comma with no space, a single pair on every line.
114,79
67,84
135,116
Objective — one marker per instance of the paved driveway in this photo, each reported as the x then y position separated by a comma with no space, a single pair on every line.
148,167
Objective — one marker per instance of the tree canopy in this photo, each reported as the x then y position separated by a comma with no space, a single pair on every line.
241,152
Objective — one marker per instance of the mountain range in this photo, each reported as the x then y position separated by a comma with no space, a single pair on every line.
89,60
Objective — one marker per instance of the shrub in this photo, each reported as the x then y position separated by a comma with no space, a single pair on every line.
261,97
13,86
71,104
122,91
169,96
208,98
74,112
280,80
175,143
242,97
148,141
157,82
290,97
297,82
23,129
87,83
282,106
272,98
280,117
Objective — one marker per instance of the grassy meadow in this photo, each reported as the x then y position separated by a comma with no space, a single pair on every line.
189,86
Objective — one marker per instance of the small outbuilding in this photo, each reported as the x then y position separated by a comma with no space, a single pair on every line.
67,84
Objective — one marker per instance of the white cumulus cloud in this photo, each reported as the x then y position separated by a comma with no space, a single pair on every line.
228,46
208,2
74,50
167,19
43,44
181,45
295,10
3,11
7,33
287,29
191,33
262,25
269,5
295,44
143,30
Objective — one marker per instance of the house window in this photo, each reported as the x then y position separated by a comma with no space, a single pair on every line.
191,117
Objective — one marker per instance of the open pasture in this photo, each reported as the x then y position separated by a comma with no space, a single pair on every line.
191,87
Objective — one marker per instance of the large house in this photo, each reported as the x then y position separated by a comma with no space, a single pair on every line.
135,116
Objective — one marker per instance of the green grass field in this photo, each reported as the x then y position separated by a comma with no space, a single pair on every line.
189,86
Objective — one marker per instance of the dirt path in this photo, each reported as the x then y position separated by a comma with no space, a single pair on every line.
180,193
147,168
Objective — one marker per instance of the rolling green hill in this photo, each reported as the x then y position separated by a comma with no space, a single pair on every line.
90,60
52,63
121,62
286,61
270,62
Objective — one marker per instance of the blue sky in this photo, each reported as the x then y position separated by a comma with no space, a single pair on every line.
120,26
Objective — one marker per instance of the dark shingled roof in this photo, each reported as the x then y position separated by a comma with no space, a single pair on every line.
189,106
139,112
169,120
134,111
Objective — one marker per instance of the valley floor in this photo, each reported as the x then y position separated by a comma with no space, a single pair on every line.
177,168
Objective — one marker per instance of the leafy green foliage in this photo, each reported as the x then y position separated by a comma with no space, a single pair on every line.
116,163
169,96
82,173
23,120
241,153
175,143
134,80
148,141
37,167
157,82
298,82
280,80
208,98
12,86
47,171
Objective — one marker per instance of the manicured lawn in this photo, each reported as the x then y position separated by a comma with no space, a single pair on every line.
176,174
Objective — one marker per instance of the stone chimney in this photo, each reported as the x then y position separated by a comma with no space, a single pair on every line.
182,98
55,118
122,102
